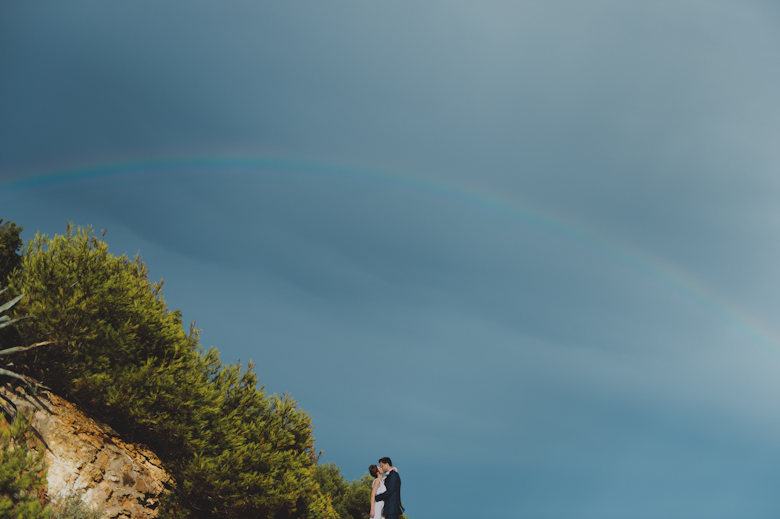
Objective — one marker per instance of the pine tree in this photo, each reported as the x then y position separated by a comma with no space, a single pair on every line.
123,356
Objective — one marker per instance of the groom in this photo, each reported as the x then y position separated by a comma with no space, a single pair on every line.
392,496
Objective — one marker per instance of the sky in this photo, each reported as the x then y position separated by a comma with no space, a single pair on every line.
528,250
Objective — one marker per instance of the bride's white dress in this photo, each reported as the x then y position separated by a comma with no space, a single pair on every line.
379,505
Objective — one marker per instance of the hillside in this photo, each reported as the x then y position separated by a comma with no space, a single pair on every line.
113,347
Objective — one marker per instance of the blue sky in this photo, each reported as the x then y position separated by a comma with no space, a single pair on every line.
528,250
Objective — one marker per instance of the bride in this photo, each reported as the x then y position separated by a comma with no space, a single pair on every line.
377,488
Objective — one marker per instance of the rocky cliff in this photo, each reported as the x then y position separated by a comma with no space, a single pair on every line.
88,459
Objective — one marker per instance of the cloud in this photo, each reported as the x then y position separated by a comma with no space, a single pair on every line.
492,357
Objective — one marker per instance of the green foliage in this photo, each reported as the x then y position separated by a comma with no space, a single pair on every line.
351,500
10,243
74,508
357,499
6,321
123,356
332,483
22,473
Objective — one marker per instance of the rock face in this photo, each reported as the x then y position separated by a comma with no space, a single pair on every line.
88,459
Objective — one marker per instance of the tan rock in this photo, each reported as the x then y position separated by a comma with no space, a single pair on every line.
89,459
141,486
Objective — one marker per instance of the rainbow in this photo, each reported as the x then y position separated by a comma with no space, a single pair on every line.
654,267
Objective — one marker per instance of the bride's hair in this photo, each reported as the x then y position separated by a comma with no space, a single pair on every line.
373,469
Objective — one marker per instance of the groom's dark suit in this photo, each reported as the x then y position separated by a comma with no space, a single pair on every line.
391,496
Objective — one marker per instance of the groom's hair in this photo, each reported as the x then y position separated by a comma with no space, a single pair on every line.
373,469
385,460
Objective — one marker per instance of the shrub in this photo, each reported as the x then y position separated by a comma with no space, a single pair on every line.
10,243
351,500
6,321
22,473
332,483
74,507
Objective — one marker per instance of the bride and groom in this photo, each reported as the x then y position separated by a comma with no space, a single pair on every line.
385,491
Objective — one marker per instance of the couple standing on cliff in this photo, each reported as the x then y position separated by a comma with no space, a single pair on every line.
385,491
